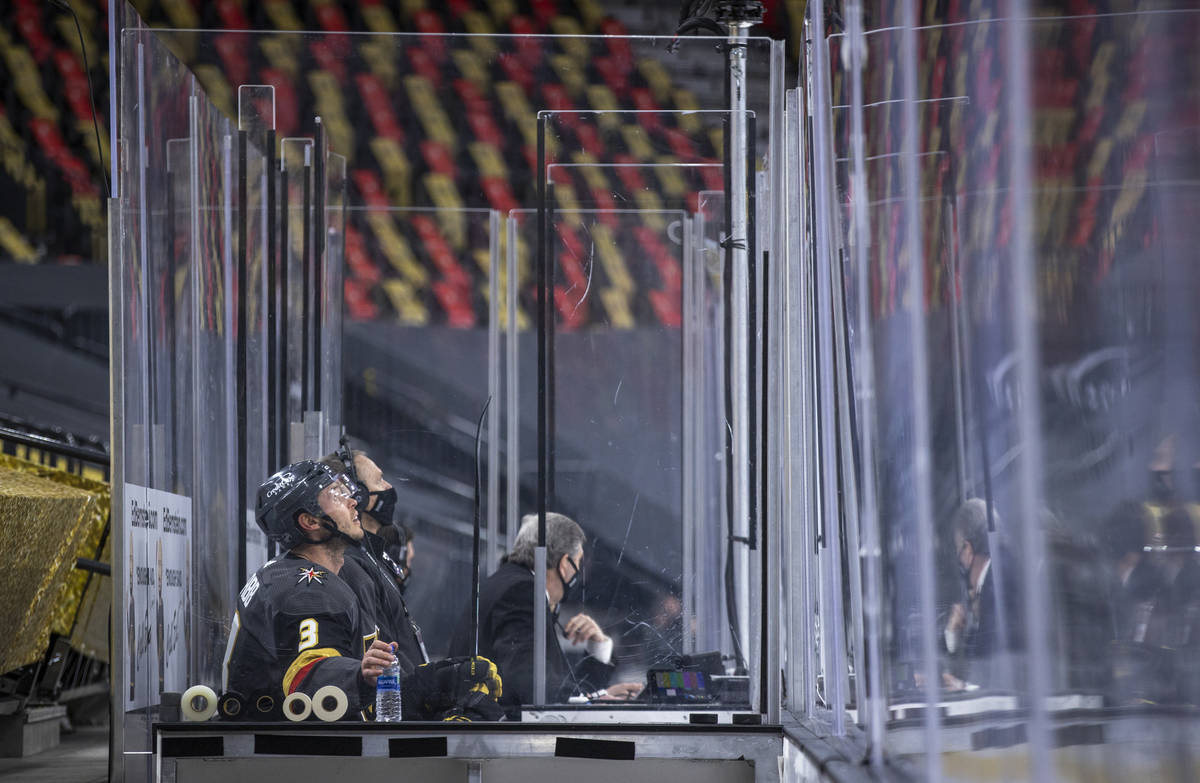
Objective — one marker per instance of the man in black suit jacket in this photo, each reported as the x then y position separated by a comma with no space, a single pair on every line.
987,624
506,607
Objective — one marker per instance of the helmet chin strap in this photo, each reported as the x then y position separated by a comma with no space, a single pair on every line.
334,532
328,523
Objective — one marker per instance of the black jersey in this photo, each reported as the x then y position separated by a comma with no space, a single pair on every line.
374,582
298,627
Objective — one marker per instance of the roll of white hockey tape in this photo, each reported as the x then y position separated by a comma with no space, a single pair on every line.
329,703
198,703
297,706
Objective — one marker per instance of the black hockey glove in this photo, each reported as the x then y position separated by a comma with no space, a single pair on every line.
453,689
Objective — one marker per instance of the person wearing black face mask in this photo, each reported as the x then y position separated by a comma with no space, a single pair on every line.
506,621
982,627
372,572
399,554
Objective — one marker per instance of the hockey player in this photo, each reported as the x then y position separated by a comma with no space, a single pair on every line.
298,626
371,572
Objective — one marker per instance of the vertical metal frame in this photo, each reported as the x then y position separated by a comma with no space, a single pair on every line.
873,706
302,434
773,373
331,225
492,525
1021,170
922,457
116,396
832,627
545,314
230,312
512,408
798,417
713,630
736,351
693,264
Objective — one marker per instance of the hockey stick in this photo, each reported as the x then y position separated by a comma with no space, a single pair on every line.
475,534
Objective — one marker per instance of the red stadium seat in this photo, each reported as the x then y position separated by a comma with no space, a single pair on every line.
619,46
571,255
430,23
423,64
79,95
456,301
438,158
379,107
75,171
516,71
330,17
643,101
327,57
499,194
369,188
440,252
232,50
28,16
529,48
231,15
589,139
287,104
358,301
614,71
358,260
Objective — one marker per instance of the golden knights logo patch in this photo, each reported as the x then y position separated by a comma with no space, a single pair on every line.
308,575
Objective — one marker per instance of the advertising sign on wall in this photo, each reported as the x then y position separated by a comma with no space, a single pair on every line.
158,537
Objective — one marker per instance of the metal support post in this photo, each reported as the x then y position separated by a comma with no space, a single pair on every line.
874,707
738,300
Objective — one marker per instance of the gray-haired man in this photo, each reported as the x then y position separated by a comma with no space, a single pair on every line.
506,620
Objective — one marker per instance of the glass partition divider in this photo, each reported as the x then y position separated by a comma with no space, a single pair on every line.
295,282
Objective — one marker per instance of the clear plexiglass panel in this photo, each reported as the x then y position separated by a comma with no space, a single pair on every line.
1017,279
311,231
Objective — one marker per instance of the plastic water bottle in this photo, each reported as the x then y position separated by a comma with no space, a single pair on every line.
387,695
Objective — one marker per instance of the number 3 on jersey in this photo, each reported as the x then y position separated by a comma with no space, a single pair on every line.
308,634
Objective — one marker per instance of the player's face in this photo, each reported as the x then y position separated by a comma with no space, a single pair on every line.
338,502
370,474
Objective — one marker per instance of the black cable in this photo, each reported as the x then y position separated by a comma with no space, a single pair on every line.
700,23
541,330
757,499
566,659
284,291
551,384
731,610
693,8
272,320
319,230
241,374
91,90
475,532
308,310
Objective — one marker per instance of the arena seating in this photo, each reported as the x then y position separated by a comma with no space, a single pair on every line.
388,108
1093,207
397,114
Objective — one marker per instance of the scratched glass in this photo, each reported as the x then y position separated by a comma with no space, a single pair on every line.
413,220
1027,314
